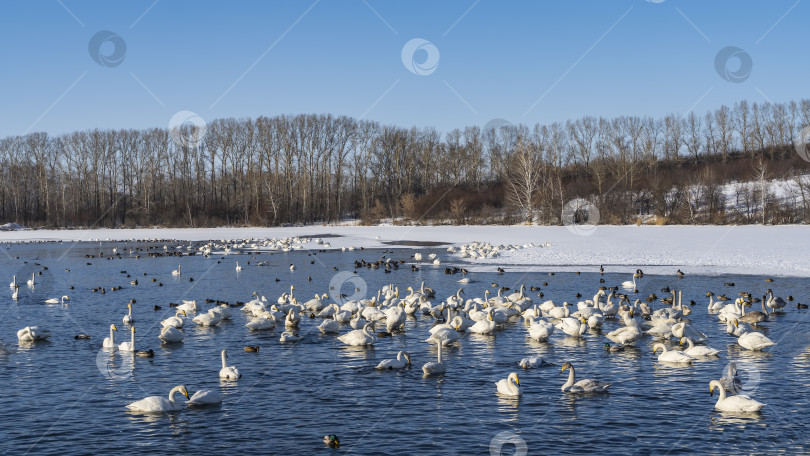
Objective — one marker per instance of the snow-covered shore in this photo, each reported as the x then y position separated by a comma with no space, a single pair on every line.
768,250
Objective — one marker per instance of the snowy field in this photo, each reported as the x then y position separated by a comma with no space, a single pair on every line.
770,250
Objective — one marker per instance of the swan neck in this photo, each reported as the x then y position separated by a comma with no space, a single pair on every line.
223,359
722,391
571,378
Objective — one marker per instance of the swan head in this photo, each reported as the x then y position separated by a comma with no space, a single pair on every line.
184,391
565,366
113,328
514,376
407,357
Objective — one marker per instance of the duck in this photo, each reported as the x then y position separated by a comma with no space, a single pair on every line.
509,386
587,385
145,353
331,440
674,357
252,348
109,342
402,360
697,351
738,403
155,404
228,372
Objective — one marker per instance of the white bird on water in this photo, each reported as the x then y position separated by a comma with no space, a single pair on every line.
228,372
155,404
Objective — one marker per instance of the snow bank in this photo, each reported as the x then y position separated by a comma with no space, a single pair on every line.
770,250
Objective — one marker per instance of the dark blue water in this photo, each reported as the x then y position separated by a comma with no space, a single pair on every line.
56,399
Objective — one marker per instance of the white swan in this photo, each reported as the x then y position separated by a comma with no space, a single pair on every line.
531,362
630,285
57,301
30,283
697,351
228,372
587,385
684,329
289,336
572,326
739,403
260,323
154,404
675,357
128,320
205,397
13,283
754,341
175,321
109,342
483,326
329,326
33,333
540,330
170,335
444,335
128,346
210,318
509,386
736,329
238,268
176,272
188,306
402,360
435,368
359,337
15,294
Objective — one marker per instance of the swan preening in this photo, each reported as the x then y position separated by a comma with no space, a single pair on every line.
509,386
205,397
156,404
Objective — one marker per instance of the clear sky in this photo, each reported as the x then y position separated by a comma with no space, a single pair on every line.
524,61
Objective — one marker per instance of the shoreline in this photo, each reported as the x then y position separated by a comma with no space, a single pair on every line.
777,250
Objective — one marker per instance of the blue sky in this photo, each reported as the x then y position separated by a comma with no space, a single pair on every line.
524,61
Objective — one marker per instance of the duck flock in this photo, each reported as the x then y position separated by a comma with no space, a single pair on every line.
615,313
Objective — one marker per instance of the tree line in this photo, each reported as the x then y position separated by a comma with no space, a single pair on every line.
293,169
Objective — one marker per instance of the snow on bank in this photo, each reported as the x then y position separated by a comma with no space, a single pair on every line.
768,250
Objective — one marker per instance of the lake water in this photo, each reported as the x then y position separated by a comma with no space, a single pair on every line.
67,396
